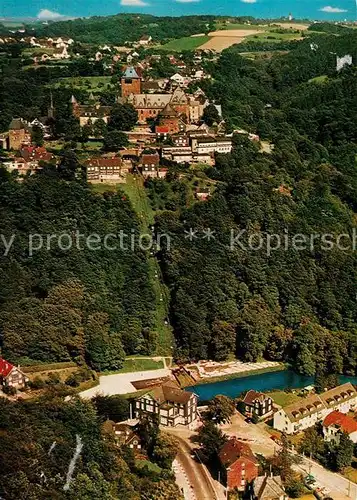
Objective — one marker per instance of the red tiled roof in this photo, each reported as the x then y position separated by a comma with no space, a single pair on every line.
251,395
233,450
5,368
36,153
104,162
346,423
150,159
162,130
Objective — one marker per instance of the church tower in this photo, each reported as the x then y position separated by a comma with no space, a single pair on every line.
75,106
130,82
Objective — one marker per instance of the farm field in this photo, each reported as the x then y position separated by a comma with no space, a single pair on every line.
273,36
220,40
294,26
238,26
186,43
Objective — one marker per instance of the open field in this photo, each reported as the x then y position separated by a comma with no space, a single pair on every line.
186,43
293,26
220,40
239,26
234,33
273,36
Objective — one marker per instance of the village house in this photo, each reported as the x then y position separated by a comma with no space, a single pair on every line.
36,154
172,405
307,412
211,144
124,433
150,86
258,404
179,79
269,488
337,423
126,436
180,140
61,53
178,154
30,160
240,467
90,112
12,376
203,194
107,170
145,40
162,132
149,164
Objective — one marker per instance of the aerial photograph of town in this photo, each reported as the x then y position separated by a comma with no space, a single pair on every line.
178,250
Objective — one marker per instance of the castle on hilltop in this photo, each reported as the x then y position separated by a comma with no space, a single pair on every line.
150,106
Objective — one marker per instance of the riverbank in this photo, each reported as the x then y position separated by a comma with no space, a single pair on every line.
265,381
238,375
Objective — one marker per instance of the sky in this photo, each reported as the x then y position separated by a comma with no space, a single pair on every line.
54,9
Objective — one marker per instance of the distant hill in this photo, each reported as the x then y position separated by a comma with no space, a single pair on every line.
127,27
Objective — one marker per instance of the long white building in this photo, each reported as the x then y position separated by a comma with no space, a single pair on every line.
307,412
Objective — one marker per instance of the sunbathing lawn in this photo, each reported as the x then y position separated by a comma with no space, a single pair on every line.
282,398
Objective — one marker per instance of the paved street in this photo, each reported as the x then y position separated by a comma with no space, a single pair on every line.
339,487
202,484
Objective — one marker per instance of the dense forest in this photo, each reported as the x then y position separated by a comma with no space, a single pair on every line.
288,304
78,304
39,439
127,27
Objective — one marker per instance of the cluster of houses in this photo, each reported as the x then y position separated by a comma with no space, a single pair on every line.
171,118
315,408
329,408
238,465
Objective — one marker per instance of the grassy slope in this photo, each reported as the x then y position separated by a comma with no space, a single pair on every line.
138,365
135,190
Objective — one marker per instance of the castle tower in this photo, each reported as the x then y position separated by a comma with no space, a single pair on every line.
19,134
130,82
170,119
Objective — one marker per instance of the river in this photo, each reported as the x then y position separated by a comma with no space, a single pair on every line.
260,382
